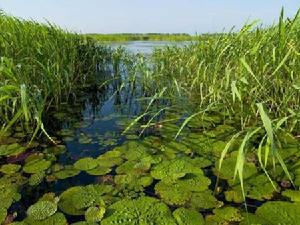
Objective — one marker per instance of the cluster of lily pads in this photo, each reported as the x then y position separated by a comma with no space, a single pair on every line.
155,180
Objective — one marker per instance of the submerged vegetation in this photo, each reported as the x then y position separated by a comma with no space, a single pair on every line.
207,133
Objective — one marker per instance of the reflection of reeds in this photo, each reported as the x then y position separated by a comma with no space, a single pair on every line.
39,66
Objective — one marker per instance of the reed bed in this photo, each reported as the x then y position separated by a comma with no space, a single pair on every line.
250,78
40,65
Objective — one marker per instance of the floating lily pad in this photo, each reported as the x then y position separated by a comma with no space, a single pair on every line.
98,171
76,200
86,164
56,219
174,169
36,178
67,172
228,168
36,165
224,216
204,200
42,210
277,212
10,168
257,187
293,195
94,214
11,150
179,192
133,181
144,210
185,216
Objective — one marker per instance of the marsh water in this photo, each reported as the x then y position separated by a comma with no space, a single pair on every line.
92,125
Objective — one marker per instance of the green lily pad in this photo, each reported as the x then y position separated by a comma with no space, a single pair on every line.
293,195
67,172
133,181
179,192
42,210
228,168
144,210
76,200
56,219
277,212
36,164
36,178
174,169
10,168
85,164
185,216
224,216
257,187
94,214
11,150
204,200
99,171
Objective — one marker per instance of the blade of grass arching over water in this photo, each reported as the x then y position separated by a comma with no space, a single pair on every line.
152,118
259,156
134,122
270,133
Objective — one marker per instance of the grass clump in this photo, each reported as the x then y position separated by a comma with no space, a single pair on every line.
40,66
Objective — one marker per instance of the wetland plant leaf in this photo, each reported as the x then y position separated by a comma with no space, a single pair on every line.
94,214
11,150
36,165
10,169
174,169
224,216
141,211
85,164
42,210
185,216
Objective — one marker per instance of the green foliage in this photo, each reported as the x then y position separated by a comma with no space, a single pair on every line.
11,150
68,171
36,178
174,169
56,219
144,210
76,200
292,195
36,165
185,216
42,210
10,169
279,213
86,164
224,216
94,214
39,66
181,191
141,37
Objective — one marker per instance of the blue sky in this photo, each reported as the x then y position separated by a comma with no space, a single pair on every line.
168,16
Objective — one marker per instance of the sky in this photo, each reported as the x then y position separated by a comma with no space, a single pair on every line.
142,16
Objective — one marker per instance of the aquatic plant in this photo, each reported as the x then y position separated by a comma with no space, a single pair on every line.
42,210
224,216
76,200
185,216
11,150
94,214
40,70
86,164
144,210
174,169
10,168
